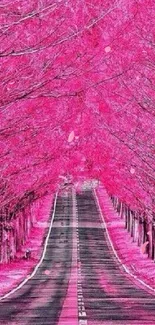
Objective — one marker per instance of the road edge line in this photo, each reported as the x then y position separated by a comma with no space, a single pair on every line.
40,261
115,253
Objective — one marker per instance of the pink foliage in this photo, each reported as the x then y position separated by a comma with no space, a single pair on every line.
77,97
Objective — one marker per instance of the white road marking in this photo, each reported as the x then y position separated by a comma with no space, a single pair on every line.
81,306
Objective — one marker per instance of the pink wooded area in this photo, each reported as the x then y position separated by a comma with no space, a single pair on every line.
76,98
15,269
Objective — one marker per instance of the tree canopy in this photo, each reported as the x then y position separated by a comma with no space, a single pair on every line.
77,96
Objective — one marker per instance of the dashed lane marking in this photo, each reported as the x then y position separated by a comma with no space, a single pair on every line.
81,307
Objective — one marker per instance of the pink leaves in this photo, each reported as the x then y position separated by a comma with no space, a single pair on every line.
71,137
76,78
132,170
47,272
107,49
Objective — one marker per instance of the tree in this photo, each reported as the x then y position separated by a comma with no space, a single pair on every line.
85,67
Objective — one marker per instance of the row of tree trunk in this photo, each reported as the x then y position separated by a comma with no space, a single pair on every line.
15,231
140,226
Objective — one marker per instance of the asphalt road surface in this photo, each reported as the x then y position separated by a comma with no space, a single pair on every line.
105,293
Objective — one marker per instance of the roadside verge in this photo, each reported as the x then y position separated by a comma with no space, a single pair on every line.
134,262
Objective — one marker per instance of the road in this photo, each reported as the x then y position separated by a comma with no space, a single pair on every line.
80,280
